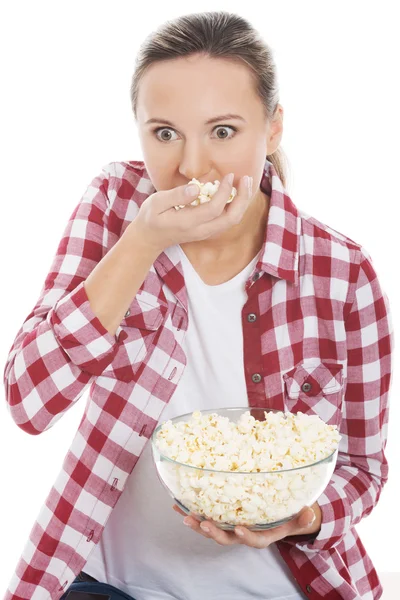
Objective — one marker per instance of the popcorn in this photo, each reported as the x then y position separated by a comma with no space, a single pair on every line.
234,473
207,191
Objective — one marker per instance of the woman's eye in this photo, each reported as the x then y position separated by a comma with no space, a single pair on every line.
163,129
165,138
222,127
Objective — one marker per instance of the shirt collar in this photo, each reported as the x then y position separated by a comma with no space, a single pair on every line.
279,254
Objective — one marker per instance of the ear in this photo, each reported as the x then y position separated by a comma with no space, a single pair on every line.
275,130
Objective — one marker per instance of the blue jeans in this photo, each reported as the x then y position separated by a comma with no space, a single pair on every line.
89,585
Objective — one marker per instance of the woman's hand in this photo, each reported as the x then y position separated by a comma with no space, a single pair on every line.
160,225
302,524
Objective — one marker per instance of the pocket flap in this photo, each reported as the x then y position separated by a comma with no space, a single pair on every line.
313,379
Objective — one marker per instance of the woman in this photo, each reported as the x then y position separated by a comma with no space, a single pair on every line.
158,312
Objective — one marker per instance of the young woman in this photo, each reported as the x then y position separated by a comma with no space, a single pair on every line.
158,312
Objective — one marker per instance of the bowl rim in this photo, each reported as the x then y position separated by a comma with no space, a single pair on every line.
328,458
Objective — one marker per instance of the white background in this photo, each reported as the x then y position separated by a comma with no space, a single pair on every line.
65,112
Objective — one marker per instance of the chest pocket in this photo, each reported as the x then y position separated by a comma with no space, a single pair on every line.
315,388
139,327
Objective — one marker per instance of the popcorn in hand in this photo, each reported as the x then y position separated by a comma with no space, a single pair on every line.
207,191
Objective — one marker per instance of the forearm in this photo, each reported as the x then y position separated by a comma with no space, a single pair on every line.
116,279
67,338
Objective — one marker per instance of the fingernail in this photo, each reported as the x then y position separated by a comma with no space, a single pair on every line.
230,178
192,190
248,182
205,527
187,522
239,532
311,522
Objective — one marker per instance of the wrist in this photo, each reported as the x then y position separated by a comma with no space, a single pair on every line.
138,238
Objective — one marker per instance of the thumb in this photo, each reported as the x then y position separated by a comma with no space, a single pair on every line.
188,193
306,518
176,197
191,190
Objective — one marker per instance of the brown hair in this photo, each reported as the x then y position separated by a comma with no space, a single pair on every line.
216,35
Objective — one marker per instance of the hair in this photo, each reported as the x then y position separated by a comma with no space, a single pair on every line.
215,35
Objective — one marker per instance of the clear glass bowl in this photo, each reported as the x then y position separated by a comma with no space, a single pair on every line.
278,495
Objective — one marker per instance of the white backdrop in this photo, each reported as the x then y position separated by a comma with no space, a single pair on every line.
65,112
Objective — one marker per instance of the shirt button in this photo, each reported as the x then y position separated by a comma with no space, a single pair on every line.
251,317
128,312
308,588
306,387
256,377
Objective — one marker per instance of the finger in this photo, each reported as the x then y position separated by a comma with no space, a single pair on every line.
224,538
178,510
207,529
195,525
255,539
262,539
176,196
293,527
181,512
235,210
231,215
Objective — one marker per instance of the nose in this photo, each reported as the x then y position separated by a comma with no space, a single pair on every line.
195,161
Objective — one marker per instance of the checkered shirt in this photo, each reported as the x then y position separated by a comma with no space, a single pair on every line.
321,344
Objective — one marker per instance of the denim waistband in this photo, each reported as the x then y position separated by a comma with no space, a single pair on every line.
85,577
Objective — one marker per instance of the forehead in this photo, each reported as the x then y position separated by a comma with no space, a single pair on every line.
195,83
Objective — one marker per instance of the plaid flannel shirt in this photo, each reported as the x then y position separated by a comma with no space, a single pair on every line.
323,320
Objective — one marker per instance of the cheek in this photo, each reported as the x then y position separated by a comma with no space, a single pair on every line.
160,166
155,173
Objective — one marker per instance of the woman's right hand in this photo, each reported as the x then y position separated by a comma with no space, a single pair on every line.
160,225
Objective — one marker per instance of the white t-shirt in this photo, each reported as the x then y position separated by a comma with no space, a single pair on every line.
145,549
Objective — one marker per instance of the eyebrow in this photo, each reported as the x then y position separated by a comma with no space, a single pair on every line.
209,122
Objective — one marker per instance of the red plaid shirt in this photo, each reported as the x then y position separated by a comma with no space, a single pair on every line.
322,319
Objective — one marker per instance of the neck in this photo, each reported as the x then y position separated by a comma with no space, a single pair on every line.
243,239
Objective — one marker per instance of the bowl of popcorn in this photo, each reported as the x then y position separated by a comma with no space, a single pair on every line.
255,467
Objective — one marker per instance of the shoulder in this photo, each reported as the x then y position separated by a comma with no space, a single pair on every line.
321,239
128,181
118,193
333,257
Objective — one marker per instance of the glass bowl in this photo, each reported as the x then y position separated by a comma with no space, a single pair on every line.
231,498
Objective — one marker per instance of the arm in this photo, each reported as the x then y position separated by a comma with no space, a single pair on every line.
65,342
362,469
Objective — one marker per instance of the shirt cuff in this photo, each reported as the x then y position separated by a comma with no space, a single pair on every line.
80,333
335,522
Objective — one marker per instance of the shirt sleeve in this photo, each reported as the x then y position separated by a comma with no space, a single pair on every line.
62,346
362,469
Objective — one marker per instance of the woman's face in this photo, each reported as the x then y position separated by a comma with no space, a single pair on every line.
179,97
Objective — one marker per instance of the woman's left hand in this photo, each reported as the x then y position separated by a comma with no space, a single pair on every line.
302,524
